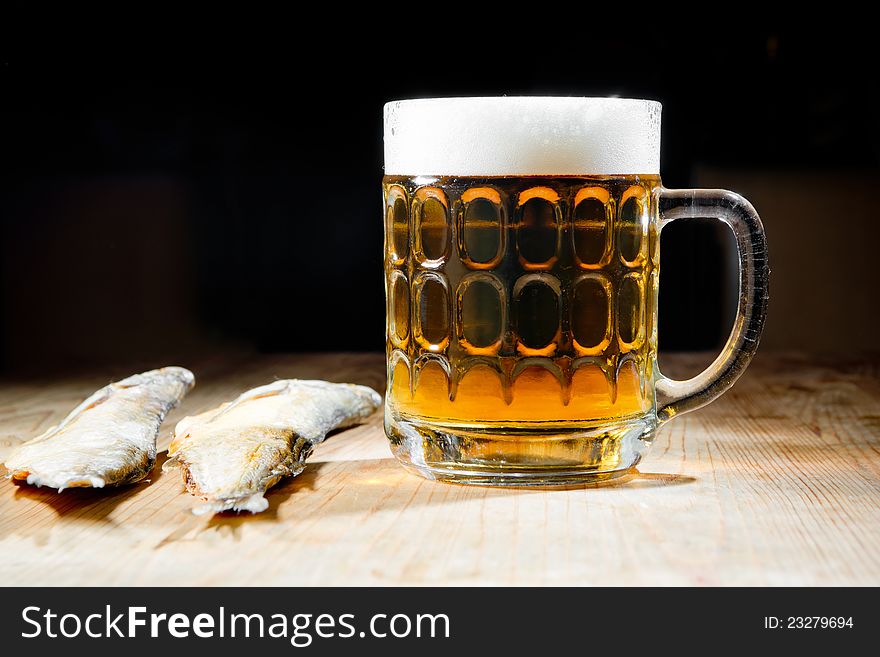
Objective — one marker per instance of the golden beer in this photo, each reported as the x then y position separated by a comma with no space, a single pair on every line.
520,300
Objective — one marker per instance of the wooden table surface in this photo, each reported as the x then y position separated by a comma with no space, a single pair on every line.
776,483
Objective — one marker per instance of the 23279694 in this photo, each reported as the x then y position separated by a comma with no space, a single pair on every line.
808,622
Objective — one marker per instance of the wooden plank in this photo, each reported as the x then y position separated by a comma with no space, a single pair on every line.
776,483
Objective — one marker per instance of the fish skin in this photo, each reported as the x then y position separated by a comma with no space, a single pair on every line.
108,440
231,455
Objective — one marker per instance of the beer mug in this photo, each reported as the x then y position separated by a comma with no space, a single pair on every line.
521,272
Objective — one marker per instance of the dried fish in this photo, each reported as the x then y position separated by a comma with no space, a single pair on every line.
231,455
109,439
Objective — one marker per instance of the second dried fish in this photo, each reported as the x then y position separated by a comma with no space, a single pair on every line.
232,454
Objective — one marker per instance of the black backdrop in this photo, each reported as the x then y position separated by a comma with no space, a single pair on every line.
155,200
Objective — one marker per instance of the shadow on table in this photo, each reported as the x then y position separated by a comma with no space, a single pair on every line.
632,479
349,487
382,484
73,505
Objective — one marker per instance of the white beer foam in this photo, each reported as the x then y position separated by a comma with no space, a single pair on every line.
523,135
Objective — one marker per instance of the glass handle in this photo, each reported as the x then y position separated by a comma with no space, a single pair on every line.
677,397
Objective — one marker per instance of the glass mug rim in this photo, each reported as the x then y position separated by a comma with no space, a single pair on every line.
622,100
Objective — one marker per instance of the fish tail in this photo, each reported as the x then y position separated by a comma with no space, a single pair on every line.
253,503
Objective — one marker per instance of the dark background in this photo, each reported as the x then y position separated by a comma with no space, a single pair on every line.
157,202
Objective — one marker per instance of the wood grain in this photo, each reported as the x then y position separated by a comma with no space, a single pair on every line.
776,483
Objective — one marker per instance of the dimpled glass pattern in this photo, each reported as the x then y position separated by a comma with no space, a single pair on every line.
521,301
